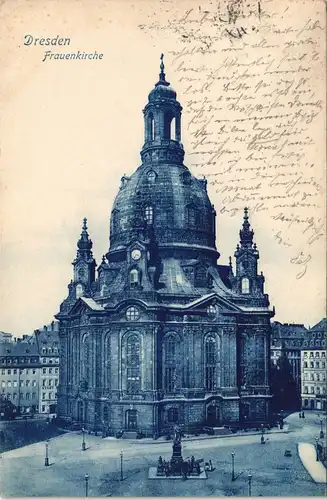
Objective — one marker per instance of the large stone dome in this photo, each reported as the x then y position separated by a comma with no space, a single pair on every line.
168,198
162,200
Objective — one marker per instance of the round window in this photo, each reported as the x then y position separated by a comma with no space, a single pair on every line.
132,314
212,311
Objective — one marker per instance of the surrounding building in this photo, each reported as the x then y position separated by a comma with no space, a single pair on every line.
5,337
293,351
47,340
20,370
313,367
288,339
162,334
30,370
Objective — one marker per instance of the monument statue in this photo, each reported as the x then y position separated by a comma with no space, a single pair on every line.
177,435
177,466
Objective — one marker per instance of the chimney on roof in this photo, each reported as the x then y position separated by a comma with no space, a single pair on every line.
45,328
52,325
25,337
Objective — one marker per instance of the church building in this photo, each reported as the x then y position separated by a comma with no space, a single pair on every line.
159,333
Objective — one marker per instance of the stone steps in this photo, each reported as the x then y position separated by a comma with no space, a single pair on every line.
129,435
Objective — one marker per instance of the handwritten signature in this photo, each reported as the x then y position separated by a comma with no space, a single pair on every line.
301,260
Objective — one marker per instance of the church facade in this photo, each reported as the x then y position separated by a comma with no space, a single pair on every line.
159,333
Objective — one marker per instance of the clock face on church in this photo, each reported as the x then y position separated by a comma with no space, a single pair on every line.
136,254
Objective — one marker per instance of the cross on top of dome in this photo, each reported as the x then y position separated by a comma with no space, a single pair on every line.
84,243
246,234
162,74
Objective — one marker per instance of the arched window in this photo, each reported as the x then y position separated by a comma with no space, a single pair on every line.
115,220
151,175
192,216
173,129
76,361
86,360
104,290
148,213
170,363
133,364
245,285
150,131
134,278
169,121
79,291
210,363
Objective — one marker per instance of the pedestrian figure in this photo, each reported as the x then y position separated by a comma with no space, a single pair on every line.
184,469
210,465
300,415
303,415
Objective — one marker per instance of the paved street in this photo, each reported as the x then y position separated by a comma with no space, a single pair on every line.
23,472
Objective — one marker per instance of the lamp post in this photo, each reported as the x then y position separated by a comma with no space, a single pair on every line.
321,430
86,485
262,438
83,440
46,458
233,471
121,466
317,456
249,479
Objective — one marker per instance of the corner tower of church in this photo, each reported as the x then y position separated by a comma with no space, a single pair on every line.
163,334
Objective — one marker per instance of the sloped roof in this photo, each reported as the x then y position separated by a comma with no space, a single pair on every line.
92,304
322,325
19,348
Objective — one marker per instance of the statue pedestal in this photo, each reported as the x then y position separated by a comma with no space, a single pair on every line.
177,459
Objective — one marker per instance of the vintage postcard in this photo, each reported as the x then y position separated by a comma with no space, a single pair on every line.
163,248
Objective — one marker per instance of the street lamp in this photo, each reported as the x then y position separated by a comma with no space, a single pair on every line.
317,456
46,459
321,431
83,440
262,438
86,485
233,471
249,479
121,466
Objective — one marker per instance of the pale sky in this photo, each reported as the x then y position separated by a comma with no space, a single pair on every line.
69,131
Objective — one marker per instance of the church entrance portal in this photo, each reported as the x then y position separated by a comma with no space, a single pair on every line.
212,416
80,411
131,420
244,412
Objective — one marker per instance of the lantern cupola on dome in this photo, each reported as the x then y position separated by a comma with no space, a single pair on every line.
162,197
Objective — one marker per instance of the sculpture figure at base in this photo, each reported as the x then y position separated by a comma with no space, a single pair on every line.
177,466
